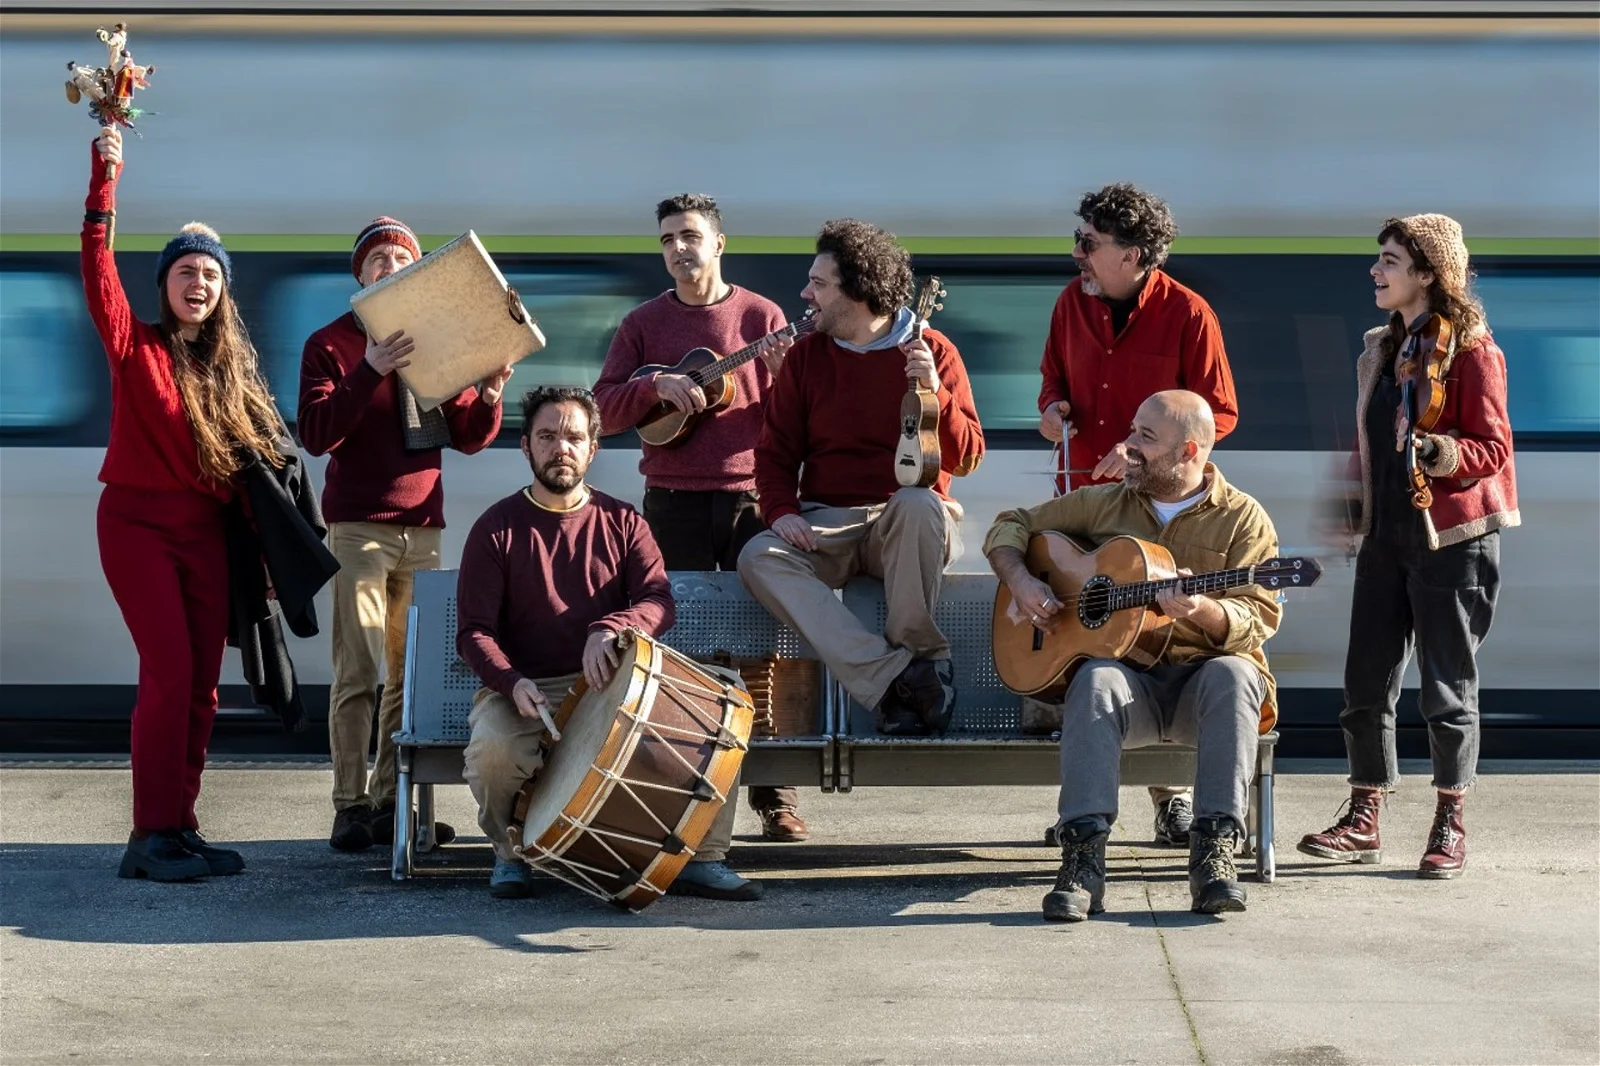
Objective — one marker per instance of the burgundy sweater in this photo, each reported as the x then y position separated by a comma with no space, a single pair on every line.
718,454
534,582
837,413
152,444
351,413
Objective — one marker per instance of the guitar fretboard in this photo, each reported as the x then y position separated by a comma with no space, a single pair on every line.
707,374
1143,593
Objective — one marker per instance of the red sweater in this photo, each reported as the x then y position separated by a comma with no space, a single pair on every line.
534,582
152,444
719,454
351,413
1171,341
837,413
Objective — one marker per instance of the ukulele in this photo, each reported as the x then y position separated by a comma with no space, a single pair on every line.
664,424
916,457
1109,610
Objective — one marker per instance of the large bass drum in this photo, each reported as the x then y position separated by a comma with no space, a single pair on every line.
641,770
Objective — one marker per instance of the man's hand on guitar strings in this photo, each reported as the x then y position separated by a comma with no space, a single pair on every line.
680,391
919,364
1034,603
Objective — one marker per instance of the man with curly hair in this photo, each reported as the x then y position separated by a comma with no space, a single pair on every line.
827,488
1122,331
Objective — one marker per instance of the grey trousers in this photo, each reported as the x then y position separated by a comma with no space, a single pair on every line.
1213,706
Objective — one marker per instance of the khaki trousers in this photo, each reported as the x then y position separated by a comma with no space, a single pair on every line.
906,542
371,594
505,753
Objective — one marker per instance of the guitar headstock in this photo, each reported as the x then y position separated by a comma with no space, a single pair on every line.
928,298
1288,573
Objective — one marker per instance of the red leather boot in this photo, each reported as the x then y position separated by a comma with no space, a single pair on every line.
1446,856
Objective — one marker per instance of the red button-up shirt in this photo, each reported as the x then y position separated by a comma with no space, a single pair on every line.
1171,341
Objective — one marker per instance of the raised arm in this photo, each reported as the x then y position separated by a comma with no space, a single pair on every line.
102,287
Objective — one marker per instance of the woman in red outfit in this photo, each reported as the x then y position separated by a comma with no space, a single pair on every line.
187,398
1427,578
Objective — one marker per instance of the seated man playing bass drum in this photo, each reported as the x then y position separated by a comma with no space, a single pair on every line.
1211,689
550,576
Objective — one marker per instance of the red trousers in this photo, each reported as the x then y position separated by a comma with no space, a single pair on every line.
165,557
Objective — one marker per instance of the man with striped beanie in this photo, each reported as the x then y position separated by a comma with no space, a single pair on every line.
384,505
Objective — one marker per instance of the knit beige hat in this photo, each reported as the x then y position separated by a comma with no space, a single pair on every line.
1439,237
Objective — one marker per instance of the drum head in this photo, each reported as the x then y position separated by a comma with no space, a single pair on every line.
572,757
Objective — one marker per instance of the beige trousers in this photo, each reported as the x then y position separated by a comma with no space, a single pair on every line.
371,594
505,753
906,542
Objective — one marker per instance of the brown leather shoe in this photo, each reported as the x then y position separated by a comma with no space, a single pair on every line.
1446,856
1353,838
783,825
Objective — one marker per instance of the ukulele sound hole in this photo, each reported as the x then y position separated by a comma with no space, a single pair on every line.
1094,602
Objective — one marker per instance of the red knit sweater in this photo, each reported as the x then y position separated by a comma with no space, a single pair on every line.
351,413
719,453
837,413
533,583
152,444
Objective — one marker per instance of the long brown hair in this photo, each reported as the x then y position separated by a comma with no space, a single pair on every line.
1460,306
230,408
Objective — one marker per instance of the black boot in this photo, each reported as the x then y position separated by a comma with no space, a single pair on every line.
381,826
220,861
1081,882
1213,879
161,857
350,829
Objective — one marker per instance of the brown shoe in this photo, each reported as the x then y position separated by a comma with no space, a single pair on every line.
1353,838
783,825
1446,856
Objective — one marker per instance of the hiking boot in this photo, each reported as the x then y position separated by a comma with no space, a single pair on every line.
161,857
1081,882
783,825
1446,856
1213,879
511,879
350,829
220,861
714,880
381,824
1354,837
1174,819
927,687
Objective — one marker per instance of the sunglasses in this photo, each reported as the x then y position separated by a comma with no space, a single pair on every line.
1090,245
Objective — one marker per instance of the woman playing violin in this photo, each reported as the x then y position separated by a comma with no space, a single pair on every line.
1437,485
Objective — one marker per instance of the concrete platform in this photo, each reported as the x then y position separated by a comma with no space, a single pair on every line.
907,930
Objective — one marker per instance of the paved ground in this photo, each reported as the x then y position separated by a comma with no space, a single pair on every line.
907,931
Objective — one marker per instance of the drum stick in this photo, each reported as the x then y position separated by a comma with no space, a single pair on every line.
549,723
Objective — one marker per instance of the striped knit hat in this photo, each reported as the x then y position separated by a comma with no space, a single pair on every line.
1439,237
383,230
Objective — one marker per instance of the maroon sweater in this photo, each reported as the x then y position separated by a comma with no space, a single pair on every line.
837,413
533,583
718,454
351,413
152,445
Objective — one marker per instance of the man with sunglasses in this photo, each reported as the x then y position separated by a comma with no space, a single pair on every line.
1122,331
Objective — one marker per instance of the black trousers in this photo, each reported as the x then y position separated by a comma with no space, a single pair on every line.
707,531
1442,603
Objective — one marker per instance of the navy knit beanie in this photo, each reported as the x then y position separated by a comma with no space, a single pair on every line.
195,237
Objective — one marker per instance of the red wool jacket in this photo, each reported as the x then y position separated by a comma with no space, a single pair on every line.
1171,341
152,444
837,413
1473,474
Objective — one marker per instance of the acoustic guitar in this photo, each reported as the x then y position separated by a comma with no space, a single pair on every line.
664,425
916,457
1109,611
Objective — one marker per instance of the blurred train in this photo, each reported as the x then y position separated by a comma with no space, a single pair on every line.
1282,140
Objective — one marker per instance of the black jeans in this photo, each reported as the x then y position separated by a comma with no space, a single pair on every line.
1443,603
707,531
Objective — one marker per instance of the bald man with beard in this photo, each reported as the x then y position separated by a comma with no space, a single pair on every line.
1212,690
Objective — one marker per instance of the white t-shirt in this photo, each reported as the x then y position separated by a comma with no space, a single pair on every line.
1166,511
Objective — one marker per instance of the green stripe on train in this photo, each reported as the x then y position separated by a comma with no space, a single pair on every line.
340,242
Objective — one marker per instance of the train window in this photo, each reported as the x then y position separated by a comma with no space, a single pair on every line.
578,311
1549,327
999,324
43,335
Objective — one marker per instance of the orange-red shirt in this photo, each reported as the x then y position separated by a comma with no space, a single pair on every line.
1171,341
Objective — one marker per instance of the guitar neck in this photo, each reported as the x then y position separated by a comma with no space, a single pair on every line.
711,372
1143,593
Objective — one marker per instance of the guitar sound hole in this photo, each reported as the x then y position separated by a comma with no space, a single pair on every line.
1094,602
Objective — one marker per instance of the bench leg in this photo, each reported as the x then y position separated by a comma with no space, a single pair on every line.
1266,857
425,840
1252,828
403,857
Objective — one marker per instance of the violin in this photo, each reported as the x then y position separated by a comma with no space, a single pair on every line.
1424,362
